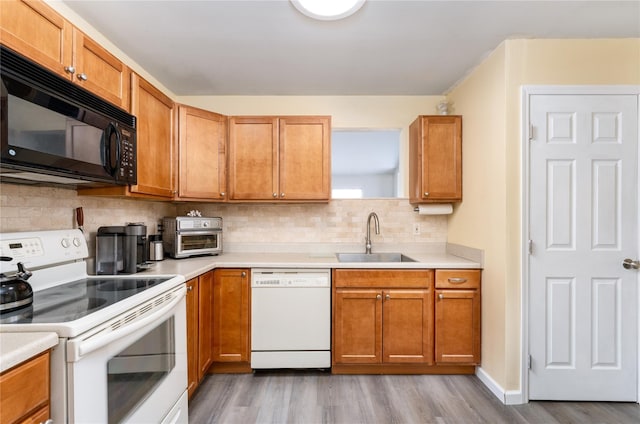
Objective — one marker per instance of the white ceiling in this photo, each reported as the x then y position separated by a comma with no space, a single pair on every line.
389,47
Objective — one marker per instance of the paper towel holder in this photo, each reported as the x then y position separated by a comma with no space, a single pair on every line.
434,209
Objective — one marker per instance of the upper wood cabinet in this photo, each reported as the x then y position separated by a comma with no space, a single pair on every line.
99,71
435,159
155,145
280,158
155,139
202,139
36,31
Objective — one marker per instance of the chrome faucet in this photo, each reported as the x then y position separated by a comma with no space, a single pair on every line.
368,239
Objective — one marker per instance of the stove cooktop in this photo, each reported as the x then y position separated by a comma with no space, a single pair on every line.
77,299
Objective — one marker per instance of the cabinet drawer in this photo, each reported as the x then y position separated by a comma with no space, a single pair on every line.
383,278
24,389
458,279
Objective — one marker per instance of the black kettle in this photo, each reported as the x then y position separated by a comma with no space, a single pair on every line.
15,291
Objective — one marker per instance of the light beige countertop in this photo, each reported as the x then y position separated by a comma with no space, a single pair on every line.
192,267
16,348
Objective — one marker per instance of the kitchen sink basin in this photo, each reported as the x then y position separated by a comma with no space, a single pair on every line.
373,257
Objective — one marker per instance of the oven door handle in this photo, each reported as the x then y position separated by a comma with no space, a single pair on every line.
80,347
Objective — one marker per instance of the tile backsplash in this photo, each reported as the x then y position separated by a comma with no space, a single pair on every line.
27,208
340,221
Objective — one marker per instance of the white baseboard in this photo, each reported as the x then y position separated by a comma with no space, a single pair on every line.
507,397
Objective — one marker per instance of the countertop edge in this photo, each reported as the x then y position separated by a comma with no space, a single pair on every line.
16,348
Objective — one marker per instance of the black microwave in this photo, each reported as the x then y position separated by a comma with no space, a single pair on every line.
54,132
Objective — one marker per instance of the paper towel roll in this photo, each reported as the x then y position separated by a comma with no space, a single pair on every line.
439,209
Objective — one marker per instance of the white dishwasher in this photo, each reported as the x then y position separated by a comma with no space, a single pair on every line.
290,318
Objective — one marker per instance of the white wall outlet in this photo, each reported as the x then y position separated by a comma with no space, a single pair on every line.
416,229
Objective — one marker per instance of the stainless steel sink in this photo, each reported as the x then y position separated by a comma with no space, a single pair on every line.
373,257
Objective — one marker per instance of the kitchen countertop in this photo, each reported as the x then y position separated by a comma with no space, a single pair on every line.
16,348
192,267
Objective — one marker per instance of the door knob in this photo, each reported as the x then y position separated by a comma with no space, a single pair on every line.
630,264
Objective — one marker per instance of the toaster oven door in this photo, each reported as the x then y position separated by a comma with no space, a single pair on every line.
190,243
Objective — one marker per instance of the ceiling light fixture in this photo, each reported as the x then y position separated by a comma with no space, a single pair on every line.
328,10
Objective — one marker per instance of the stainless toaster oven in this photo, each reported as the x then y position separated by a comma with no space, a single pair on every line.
186,236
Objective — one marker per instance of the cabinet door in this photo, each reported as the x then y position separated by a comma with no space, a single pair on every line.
407,326
99,71
231,315
435,152
205,323
202,140
457,329
305,158
253,159
357,326
192,335
24,390
155,142
36,31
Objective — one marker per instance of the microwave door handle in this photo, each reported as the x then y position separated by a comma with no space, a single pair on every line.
81,347
107,147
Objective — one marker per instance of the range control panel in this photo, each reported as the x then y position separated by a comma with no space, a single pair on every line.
40,248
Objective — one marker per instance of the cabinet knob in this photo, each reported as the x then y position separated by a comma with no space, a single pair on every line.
275,194
223,194
379,297
243,274
387,297
426,194
70,69
189,288
82,77
440,296
281,194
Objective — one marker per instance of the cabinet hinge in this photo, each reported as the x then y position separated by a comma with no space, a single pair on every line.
530,247
529,362
531,129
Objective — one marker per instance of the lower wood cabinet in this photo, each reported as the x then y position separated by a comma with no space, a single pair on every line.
231,321
199,328
388,321
25,392
382,317
457,312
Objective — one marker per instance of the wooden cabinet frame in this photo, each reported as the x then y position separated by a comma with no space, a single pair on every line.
279,159
435,159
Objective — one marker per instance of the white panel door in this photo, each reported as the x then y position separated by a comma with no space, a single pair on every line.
583,221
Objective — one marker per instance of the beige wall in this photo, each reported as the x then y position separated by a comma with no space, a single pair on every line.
496,167
479,220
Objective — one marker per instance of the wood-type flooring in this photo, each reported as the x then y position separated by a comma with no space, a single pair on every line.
302,397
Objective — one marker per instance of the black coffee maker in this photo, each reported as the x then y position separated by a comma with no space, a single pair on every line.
122,249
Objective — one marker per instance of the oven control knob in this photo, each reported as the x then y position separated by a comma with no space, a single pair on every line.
76,242
65,243
205,224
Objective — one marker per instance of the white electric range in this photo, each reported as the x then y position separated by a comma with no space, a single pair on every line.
121,353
